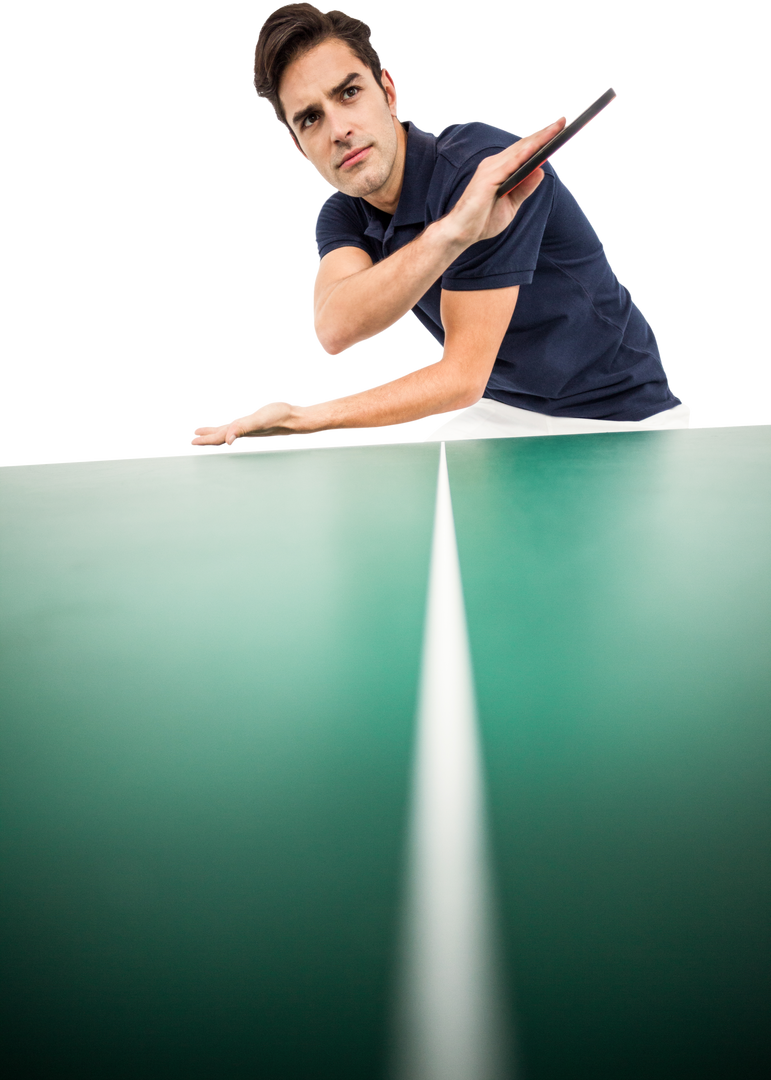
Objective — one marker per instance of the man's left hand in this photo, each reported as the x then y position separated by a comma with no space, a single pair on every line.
274,419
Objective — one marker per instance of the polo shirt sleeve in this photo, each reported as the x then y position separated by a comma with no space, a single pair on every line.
339,225
509,258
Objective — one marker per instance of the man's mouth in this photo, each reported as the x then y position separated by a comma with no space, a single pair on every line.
354,157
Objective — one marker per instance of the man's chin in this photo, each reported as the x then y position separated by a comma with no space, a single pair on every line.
359,191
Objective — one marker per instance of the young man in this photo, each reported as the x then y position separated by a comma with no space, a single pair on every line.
517,289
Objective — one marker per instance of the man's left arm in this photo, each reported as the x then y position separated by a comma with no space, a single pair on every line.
475,322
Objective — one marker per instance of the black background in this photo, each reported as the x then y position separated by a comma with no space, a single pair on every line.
172,286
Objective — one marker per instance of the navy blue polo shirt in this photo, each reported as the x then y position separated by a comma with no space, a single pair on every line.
576,344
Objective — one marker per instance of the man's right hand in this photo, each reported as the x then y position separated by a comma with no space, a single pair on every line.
479,213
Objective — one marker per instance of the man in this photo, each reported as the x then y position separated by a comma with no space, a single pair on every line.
538,335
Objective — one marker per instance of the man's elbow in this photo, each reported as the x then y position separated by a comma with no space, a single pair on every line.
323,339
330,346
465,401
328,342
334,343
464,381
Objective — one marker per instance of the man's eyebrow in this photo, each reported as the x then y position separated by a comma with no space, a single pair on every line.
299,116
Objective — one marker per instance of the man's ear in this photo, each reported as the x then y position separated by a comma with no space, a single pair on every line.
390,90
389,81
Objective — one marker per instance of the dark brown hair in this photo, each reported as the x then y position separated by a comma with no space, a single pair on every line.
293,30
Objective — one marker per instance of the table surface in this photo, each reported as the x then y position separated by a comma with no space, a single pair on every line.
209,679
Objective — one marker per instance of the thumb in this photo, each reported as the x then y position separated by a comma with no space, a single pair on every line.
234,432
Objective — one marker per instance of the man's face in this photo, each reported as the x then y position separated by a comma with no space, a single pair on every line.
342,121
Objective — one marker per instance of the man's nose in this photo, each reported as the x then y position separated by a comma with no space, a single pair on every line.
340,126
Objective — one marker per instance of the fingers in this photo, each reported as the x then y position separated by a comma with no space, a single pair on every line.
532,143
520,151
216,436
548,132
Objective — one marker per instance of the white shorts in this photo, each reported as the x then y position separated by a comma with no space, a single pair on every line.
493,420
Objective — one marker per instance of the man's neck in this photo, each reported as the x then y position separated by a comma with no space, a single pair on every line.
389,205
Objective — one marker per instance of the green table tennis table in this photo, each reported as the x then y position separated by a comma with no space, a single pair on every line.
211,670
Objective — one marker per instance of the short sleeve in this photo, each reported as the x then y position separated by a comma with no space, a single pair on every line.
339,224
509,258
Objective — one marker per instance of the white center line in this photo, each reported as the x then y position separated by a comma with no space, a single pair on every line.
451,1020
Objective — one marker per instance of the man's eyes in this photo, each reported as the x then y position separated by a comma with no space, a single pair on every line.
352,90
315,113
307,120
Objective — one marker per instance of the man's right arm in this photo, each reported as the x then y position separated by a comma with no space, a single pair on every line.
355,299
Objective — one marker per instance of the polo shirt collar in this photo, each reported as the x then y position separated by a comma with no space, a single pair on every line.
419,162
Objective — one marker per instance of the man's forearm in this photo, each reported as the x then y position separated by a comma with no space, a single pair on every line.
371,300
438,388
